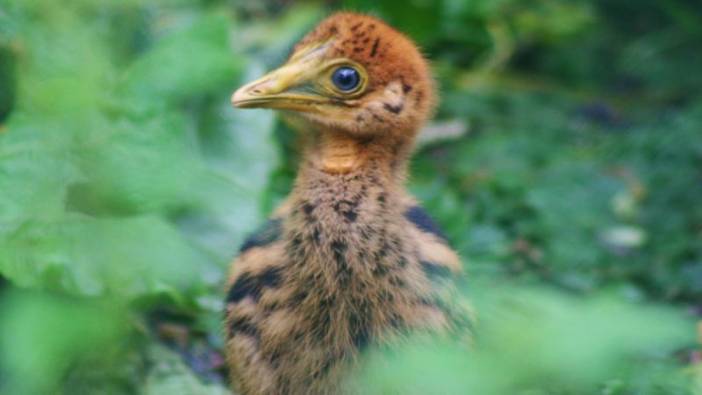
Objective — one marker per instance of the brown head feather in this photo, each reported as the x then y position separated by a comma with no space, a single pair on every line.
400,94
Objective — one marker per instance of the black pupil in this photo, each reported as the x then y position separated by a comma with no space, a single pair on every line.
346,78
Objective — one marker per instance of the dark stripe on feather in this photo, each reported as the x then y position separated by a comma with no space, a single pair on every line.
266,234
423,221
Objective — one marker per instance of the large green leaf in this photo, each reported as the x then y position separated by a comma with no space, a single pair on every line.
89,256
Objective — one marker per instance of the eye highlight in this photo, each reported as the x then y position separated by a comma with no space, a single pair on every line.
346,78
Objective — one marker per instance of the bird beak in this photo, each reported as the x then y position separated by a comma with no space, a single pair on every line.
290,87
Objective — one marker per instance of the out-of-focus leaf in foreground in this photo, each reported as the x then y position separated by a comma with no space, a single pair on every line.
43,336
539,341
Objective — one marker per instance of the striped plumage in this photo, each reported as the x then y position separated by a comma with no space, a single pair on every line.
349,260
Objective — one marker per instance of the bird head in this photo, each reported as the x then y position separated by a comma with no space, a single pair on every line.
352,74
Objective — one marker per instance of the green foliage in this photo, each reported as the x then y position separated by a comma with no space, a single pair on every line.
172,376
547,190
566,157
571,348
42,335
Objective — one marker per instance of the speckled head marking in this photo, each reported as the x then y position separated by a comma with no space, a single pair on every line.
390,88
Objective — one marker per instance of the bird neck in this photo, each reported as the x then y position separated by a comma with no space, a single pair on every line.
338,153
346,207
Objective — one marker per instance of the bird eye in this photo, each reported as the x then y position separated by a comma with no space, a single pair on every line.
346,78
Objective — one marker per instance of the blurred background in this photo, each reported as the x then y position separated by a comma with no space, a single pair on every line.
564,163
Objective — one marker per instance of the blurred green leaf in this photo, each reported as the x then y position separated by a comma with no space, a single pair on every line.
535,341
42,336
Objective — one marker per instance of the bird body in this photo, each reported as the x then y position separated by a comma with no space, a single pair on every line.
349,260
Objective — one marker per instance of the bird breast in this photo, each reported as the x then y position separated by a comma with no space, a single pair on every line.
343,267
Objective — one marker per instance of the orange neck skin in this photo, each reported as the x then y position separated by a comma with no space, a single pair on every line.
338,153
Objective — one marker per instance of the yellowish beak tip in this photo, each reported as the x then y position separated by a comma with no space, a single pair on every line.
250,96
239,97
